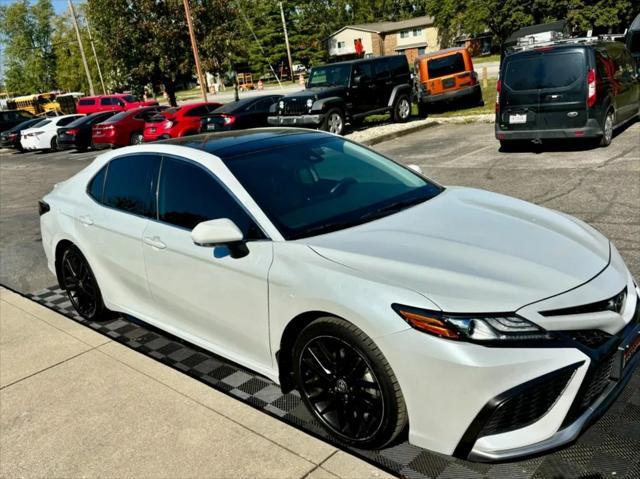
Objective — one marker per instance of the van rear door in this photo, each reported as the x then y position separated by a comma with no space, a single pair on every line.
544,89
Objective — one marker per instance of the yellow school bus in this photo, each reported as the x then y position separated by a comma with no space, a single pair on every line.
37,104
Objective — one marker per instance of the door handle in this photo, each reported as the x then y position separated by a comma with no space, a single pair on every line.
85,220
154,242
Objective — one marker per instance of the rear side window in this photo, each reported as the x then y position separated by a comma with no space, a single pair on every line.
381,69
87,101
189,195
96,185
116,118
66,121
544,70
197,111
130,182
449,65
398,65
106,101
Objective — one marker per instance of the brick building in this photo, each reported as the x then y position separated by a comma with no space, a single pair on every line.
412,37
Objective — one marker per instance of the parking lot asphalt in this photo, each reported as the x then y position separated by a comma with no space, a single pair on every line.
598,185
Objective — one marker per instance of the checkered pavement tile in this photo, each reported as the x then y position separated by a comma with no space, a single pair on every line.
610,448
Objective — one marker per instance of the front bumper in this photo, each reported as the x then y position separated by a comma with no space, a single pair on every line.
296,120
453,390
591,130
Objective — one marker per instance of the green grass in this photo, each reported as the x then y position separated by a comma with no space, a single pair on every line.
489,58
489,97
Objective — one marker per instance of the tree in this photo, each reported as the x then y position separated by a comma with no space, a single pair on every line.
26,32
145,42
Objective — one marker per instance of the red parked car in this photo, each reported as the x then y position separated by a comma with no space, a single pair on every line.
117,101
124,128
179,121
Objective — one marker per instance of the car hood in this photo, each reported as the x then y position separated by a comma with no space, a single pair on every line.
470,250
317,93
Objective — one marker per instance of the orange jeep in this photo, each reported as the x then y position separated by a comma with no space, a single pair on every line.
446,76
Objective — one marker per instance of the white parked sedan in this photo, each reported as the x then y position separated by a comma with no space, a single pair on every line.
44,135
494,328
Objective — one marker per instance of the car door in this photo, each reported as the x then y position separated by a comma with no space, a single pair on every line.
625,77
383,82
202,293
109,227
364,89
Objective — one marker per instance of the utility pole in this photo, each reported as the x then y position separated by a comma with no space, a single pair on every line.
95,55
286,40
84,58
203,85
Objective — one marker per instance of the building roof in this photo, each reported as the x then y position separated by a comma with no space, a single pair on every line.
385,27
410,45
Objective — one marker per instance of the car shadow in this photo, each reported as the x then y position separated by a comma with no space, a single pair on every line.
564,145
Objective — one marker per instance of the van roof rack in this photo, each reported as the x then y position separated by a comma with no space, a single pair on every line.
530,43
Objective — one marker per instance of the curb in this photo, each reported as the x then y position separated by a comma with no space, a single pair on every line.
397,134
436,121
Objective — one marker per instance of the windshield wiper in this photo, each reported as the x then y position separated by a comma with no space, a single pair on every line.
392,208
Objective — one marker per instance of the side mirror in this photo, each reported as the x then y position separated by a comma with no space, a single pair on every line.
220,232
357,80
415,168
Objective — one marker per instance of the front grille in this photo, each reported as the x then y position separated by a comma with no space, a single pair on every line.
593,385
592,338
529,404
297,107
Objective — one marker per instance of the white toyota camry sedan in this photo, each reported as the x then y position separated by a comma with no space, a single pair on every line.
44,135
480,325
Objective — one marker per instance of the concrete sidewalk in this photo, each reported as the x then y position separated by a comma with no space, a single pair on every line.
73,403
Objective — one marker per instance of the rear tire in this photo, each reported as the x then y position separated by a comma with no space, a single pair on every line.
607,130
347,384
423,110
136,139
401,110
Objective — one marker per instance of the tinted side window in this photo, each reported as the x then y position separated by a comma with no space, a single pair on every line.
96,185
398,65
189,195
66,121
87,101
381,69
130,182
364,71
105,101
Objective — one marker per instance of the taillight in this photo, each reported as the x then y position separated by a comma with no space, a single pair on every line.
229,119
591,88
498,88
72,132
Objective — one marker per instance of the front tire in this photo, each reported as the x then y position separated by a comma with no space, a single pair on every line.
401,109
334,121
54,144
347,384
77,278
607,130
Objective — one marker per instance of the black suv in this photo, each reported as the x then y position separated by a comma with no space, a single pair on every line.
576,88
347,92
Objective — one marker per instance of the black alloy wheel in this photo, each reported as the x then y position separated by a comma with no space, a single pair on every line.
81,285
347,384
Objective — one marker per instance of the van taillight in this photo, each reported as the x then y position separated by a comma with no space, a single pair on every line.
498,88
591,88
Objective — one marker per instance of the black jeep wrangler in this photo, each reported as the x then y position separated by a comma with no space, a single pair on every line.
343,92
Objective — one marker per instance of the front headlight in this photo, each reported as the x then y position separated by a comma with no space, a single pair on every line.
309,103
281,105
474,328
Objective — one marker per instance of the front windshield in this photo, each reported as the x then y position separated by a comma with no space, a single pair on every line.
327,184
330,75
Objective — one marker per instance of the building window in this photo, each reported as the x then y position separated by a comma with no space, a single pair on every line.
417,32
404,34
421,50
341,45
